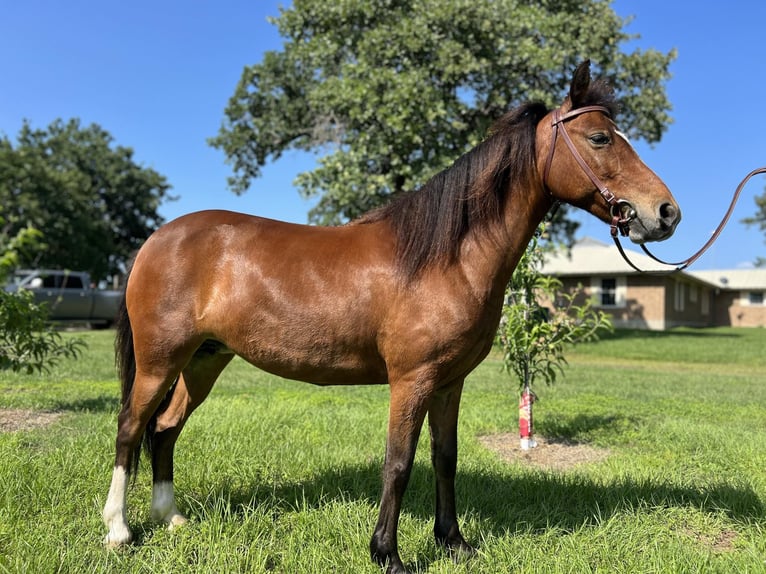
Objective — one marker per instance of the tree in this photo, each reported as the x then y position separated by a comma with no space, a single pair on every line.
92,202
393,91
534,339
759,219
27,343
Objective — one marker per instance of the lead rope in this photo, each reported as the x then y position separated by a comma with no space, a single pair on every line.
681,265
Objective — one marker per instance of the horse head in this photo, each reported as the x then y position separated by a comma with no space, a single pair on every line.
587,162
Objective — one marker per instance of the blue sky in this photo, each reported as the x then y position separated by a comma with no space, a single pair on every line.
157,76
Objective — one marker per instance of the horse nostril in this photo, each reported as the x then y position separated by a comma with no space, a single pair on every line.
668,216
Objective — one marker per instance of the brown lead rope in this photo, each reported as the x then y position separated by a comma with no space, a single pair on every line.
681,265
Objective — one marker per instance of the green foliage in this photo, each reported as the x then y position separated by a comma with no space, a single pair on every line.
93,203
533,338
758,219
27,343
26,240
392,91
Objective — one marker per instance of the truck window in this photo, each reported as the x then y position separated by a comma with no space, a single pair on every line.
72,282
49,281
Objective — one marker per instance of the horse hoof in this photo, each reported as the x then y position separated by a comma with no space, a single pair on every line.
117,539
397,569
461,551
177,521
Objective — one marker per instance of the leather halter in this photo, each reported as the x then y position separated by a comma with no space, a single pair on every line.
622,212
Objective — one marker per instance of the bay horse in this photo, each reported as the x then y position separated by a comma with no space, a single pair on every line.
409,295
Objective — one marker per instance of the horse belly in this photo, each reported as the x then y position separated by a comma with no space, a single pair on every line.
319,364
308,343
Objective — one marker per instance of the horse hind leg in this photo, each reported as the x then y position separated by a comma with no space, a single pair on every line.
145,396
114,513
192,388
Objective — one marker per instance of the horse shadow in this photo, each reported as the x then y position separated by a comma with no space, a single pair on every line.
526,501
501,503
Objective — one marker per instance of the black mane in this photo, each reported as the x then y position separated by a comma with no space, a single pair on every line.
429,223
600,93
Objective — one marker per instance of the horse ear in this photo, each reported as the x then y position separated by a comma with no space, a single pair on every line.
580,84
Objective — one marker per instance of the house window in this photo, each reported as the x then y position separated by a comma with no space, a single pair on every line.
608,292
680,296
755,297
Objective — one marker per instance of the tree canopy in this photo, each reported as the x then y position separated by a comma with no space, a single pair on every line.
90,200
389,92
759,219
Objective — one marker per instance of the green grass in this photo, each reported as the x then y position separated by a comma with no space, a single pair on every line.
279,476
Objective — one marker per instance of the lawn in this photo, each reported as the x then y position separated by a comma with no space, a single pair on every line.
279,476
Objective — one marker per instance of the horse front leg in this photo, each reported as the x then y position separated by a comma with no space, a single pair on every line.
442,423
406,415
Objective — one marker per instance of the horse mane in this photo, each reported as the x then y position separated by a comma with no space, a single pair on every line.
600,93
430,222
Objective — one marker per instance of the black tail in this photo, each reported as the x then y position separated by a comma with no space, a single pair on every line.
125,360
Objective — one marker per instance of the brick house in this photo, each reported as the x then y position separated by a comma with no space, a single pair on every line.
740,296
658,302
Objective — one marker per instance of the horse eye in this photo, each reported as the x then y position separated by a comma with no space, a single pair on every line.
600,139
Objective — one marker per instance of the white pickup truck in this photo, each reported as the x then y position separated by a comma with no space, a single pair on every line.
70,295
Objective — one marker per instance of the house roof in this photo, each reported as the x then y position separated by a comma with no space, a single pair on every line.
590,256
734,279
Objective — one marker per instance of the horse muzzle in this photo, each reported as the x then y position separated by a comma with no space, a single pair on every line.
641,228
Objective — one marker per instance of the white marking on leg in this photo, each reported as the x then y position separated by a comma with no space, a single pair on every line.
115,512
164,504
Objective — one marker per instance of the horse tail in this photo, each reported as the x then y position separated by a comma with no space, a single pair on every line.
125,361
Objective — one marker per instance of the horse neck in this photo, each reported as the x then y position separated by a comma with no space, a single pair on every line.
490,254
